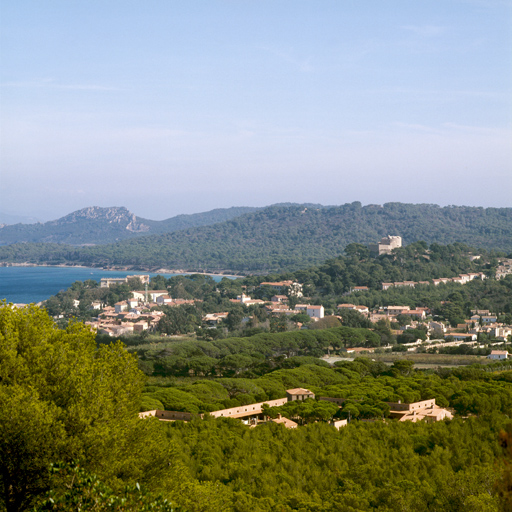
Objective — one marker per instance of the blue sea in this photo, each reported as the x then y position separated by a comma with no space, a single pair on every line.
35,284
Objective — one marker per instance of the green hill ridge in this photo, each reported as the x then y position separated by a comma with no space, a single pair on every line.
282,237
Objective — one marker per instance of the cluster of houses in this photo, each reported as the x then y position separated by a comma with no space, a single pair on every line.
255,414
314,312
481,321
277,305
134,315
504,268
125,320
461,279
292,287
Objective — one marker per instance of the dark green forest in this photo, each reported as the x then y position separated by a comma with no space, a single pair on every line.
280,238
71,439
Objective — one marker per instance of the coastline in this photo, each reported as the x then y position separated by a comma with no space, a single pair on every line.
114,268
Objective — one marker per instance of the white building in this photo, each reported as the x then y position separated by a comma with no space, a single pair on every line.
315,311
498,354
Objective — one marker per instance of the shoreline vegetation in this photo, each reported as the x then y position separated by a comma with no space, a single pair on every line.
126,268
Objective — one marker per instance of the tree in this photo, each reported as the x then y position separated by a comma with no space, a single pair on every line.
359,250
352,318
303,318
62,399
402,367
325,323
235,317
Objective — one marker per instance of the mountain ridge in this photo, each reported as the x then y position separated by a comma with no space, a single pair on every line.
283,238
100,225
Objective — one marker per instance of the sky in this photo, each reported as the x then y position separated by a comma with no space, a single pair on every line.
170,107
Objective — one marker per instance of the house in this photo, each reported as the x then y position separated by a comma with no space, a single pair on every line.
121,306
426,410
278,308
385,286
281,420
397,310
461,336
106,282
504,269
359,350
315,311
164,300
437,326
498,355
247,411
282,299
154,294
139,295
480,312
375,317
362,309
501,333
183,302
245,299
214,319
299,394
293,287
346,306
359,289
415,313
140,326
132,303
166,415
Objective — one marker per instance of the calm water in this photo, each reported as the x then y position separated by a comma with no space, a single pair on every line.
34,284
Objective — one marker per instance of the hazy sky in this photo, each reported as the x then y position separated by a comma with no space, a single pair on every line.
170,107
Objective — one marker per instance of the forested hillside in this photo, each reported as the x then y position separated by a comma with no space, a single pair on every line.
281,238
97,225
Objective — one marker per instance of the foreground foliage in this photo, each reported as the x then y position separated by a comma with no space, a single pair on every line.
62,399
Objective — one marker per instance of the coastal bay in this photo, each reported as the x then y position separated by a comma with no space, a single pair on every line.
33,284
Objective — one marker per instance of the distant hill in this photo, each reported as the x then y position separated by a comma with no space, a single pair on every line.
283,238
95,225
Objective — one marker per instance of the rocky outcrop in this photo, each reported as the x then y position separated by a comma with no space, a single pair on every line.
113,215
98,225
